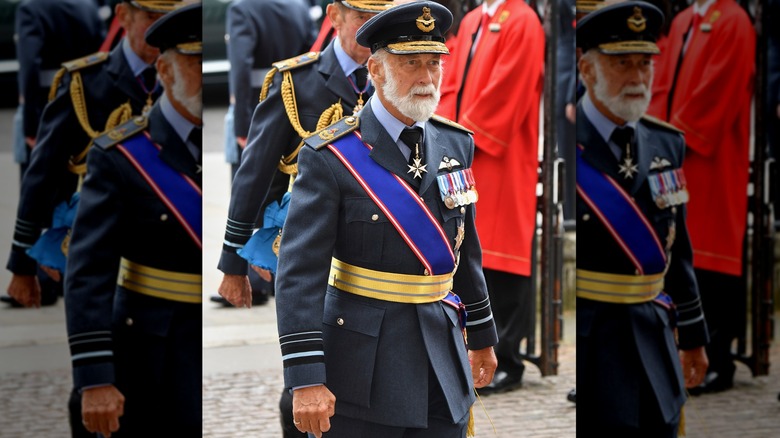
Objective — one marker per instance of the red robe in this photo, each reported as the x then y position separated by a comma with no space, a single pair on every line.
712,102
500,103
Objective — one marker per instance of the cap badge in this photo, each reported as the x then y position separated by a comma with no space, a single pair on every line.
426,22
637,22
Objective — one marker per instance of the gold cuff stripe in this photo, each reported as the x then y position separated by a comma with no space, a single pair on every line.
388,286
618,288
159,283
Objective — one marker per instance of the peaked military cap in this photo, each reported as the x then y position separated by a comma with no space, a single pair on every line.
416,27
156,6
371,6
181,30
621,28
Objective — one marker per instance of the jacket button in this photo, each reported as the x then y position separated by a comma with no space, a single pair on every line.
586,217
463,210
164,217
426,272
340,321
674,210
374,217
129,321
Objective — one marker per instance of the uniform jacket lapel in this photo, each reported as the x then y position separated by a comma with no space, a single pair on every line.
434,152
644,151
596,151
335,79
385,151
120,73
174,151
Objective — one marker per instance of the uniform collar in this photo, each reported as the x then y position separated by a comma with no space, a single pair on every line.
702,10
345,61
137,65
181,125
393,126
491,10
603,125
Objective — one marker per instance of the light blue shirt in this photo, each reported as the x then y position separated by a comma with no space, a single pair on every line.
137,65
603,125
393,126
182,126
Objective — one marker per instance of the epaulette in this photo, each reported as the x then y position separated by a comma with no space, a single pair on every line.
329,134
286,65
87,61
297,61
449,122
661,123
122,132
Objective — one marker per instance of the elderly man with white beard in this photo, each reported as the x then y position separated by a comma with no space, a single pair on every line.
133,278
640,326
379,274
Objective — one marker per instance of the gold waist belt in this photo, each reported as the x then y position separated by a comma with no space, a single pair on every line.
617,288
387,286
168,285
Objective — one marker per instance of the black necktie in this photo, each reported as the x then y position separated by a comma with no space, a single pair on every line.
196,137
361,77
149,78
624,138
481,26
413,138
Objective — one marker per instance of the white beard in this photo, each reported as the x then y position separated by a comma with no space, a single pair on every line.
629,110
415,108
193,104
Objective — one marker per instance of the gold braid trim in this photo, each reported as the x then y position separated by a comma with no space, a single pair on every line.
55,83
328,117
290,105
79,104
269,79
118,116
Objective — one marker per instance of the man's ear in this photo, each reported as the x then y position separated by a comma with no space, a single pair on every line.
164,70
334,13
376,70
587,71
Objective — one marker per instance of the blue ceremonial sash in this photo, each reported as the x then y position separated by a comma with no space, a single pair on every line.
402,206
621,216
177,191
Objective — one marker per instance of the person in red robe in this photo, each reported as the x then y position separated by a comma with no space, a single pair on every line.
496,93
705,88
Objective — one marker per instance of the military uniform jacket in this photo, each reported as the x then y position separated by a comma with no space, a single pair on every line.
254,27
50,32
318,85
374,355
620,346
47,181
120,215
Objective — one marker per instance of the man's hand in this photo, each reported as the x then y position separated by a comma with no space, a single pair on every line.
236,289
25,289
483,365
312,408
101,408
694,366
53,273
263,273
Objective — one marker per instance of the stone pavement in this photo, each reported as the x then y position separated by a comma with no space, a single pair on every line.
242,363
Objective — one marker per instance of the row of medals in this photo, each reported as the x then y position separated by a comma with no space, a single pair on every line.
668,188
457,188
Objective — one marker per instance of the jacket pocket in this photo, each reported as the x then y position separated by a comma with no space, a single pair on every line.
351,336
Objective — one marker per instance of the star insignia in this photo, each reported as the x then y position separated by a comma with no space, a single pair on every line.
418,168
628,168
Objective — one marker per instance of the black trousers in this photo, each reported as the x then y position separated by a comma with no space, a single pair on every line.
724,302
513,301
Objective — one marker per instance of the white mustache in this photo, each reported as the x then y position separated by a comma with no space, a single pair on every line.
635,89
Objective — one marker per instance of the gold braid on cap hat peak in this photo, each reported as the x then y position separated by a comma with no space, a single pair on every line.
371,5
159,5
